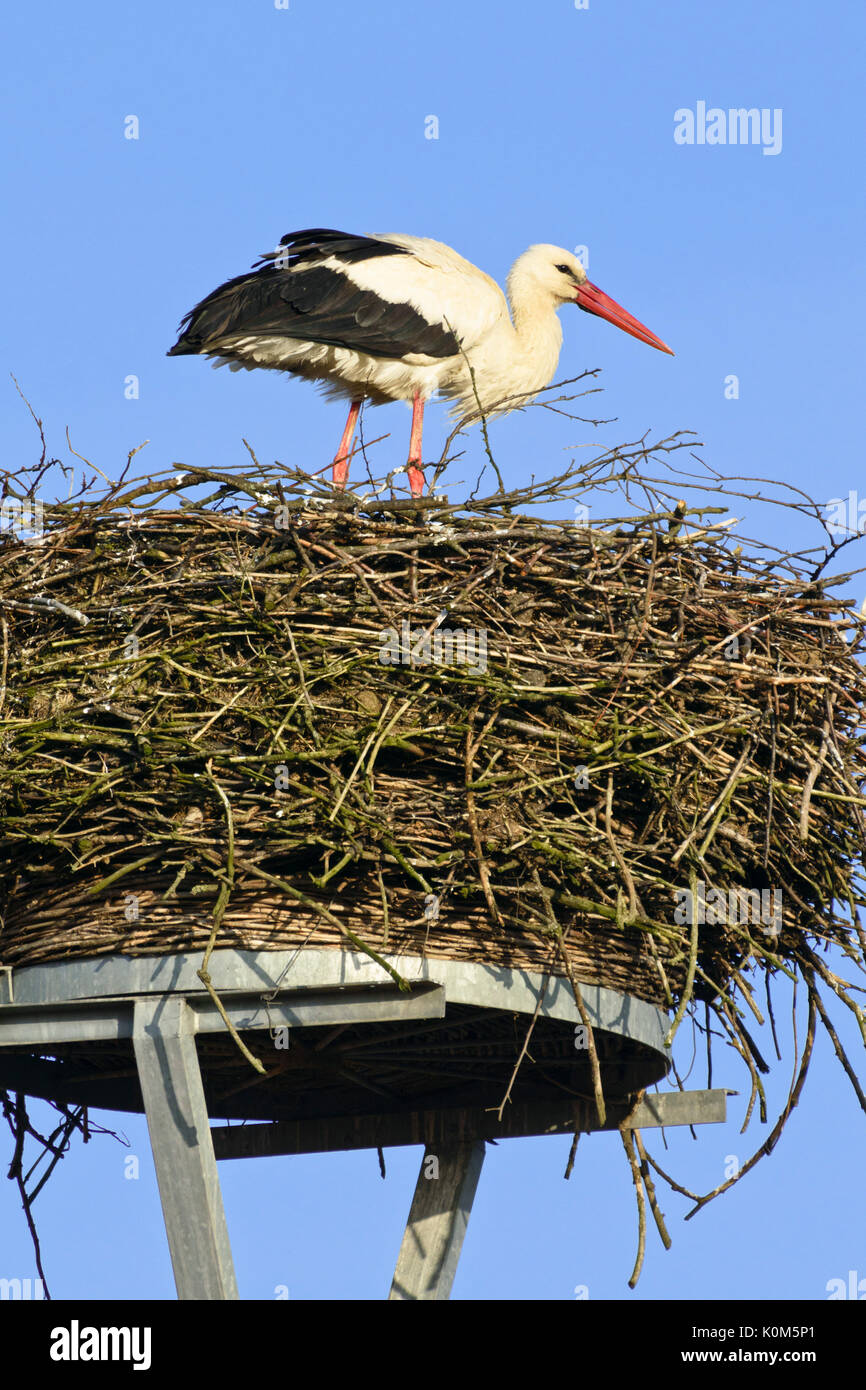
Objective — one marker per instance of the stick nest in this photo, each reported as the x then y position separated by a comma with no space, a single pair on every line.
249,718
470,736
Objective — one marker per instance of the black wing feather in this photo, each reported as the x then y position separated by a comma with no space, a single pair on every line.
291,294
318,242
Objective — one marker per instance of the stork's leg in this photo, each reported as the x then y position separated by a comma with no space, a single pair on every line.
416,477
344,452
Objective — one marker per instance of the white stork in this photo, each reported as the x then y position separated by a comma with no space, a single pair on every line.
397,318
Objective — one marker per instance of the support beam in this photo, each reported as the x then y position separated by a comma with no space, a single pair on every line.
437,1222
443,1127
177,1119
85,1020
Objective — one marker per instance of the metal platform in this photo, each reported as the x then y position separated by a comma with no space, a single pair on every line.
351,1061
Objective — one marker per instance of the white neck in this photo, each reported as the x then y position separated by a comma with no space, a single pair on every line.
536,325
519,357
536,337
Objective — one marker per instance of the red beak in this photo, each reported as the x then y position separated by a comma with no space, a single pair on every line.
595,301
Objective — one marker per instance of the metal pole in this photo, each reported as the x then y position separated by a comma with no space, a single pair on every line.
171,1086
437,1221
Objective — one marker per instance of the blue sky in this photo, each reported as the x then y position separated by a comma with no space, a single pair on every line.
554,124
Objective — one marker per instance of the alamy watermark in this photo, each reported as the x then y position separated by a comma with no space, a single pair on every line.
77,1343
21,1289
854,1287
22,517
736,126
434,646
846,516
761,907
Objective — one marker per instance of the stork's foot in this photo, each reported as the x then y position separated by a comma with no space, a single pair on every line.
416,477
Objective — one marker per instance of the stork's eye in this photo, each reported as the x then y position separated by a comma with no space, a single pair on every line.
566,269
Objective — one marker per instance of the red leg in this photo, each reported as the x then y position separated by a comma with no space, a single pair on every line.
416,477
344,451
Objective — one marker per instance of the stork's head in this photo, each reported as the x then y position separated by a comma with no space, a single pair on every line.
553,274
